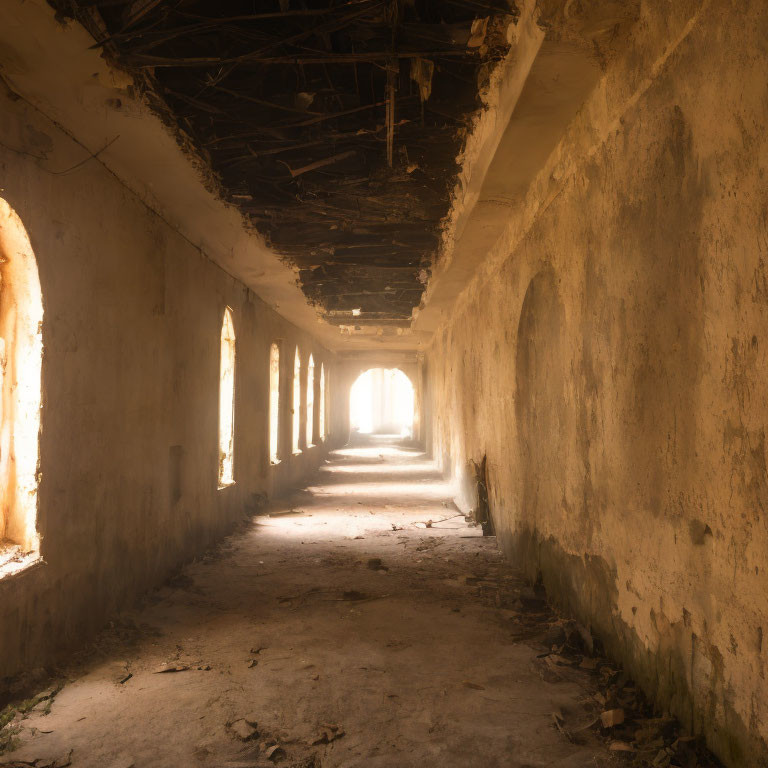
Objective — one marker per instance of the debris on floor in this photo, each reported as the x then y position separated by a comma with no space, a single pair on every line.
618,713
274,753
459,663
171,668
328,733
59,762
244,728
13,715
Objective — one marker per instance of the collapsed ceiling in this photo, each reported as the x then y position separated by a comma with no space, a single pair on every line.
334,125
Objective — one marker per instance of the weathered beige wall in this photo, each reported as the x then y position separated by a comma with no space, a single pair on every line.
129,442
610,359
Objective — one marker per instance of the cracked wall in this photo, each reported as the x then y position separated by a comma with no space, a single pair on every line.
609,357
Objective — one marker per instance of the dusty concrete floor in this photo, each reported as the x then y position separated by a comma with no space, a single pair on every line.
287,626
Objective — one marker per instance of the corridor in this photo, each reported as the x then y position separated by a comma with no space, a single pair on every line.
294,294
361,622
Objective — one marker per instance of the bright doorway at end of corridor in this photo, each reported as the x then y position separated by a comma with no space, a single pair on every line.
381,403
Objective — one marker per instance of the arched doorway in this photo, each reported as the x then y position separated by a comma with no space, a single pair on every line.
382,402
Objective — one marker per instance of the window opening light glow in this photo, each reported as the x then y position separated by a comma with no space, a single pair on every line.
321,414
381,402
296,405
308,436
21,322
274,403
227,401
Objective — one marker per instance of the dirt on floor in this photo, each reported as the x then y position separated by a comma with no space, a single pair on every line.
362,622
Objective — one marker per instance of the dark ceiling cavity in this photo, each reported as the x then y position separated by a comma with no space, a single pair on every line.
334,125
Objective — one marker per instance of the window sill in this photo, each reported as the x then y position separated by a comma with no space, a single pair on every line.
222,486
274,462
12,563
297,453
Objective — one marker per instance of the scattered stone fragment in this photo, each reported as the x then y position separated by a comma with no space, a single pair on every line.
243,729
274,753
165,668
328,734
59,762
612,717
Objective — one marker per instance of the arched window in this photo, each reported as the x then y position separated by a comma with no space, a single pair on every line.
274,402
296,405
321,413
308,437
227,402
21,350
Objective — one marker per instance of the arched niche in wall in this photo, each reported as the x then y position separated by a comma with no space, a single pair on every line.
21,351
540,396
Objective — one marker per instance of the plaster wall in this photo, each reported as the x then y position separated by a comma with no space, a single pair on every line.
609,358
130,377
